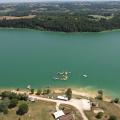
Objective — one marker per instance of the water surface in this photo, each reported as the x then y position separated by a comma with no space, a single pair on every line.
34,57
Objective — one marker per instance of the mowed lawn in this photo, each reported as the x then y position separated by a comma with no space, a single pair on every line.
37,111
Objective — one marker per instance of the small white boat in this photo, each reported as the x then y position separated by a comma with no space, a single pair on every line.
55,78
29,87
85,75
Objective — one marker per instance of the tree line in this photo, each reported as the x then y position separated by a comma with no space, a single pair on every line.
66,23
10,100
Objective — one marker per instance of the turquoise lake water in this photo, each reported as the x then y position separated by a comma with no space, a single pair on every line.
34,57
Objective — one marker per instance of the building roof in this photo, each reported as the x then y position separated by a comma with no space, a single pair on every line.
62,98
58,114
32,99
67,117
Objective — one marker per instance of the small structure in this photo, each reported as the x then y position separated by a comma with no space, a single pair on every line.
32,99
62,98
86,104
97,110
58,114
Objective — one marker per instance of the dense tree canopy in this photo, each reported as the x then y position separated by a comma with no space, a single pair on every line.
67,23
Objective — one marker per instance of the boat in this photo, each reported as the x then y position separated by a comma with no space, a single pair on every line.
62,75
55,78
85,75
29,87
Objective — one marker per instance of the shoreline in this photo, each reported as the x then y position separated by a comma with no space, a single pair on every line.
84,92
13,28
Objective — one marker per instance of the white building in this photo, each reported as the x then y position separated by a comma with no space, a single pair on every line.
32,99
58,114
62,98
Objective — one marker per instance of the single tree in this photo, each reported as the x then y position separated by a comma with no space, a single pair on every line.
99,115
100,92
68,93
100,95
23,108
116,100
18,89
48,91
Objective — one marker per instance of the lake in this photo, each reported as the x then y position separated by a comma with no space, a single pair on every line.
34,57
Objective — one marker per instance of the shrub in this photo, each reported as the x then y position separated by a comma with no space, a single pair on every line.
112,117
46,91
8,94
32,91
13,103
22,97
5,111
116,100
3,108
99,97
18,89
38,92
99,115
23,108
100,92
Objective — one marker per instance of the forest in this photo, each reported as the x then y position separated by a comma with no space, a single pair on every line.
71,20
